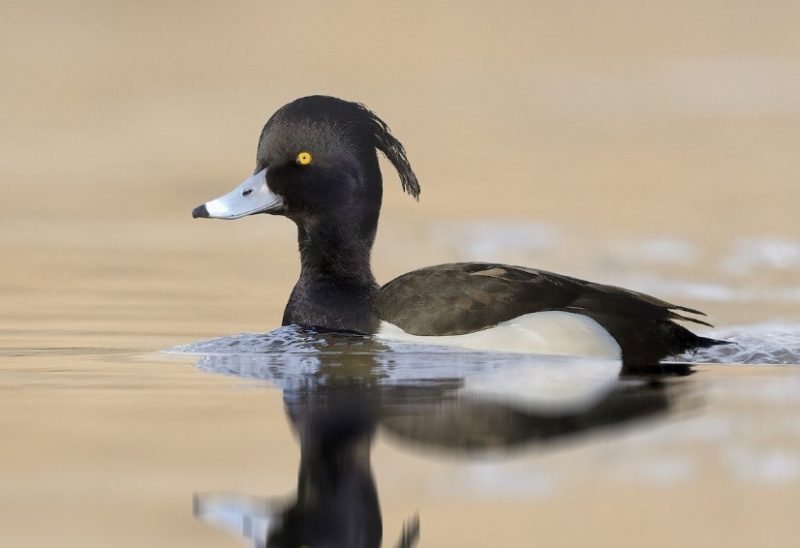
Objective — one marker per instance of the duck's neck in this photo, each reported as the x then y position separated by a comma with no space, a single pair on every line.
337,250
336,282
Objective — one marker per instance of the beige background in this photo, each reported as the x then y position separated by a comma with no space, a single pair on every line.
610,120
635,114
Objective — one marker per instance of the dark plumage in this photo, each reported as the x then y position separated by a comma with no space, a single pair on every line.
317,165
468,297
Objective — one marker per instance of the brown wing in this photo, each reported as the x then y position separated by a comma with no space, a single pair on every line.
458,298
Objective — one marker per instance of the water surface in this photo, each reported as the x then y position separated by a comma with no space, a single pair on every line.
654,148
111,441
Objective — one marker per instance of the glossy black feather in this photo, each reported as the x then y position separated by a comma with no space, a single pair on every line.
459,298
335,202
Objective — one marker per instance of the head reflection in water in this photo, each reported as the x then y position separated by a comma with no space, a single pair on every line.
338,390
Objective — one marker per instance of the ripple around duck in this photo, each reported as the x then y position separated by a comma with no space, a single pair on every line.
293,359
292,348
764,344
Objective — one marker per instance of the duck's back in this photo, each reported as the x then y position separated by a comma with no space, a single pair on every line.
461,298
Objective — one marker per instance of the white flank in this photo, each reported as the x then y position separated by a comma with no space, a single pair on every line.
554,333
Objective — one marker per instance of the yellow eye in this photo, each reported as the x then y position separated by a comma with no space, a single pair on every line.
304,158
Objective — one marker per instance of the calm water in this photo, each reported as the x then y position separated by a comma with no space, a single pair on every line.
482,419
654,148
287,434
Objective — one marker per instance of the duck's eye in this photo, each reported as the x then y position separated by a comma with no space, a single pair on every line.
303,159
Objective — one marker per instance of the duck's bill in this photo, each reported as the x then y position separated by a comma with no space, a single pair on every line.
249,517
251,197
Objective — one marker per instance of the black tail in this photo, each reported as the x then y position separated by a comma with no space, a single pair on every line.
648,342
678,340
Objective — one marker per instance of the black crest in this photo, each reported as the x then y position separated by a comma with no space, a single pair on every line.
394,151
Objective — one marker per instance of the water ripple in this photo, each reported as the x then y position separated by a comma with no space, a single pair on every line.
764,344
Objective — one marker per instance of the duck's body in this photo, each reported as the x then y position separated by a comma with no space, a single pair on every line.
572,316
317,165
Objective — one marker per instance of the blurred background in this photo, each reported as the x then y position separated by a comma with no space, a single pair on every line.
648,144
671,121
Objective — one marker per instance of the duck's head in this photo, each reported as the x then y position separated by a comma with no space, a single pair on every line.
317,164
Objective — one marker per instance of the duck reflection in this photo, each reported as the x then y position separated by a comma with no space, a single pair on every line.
338,391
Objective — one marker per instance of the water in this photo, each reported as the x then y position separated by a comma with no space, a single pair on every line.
508,419
220,441
653,148
665,430
764,344
338,390
753,344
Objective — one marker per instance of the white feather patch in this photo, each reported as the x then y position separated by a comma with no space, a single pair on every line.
555,333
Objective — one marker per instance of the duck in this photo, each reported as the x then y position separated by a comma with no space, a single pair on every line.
317,165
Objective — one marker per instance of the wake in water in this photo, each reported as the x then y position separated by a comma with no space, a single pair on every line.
759,344
292,358
762,344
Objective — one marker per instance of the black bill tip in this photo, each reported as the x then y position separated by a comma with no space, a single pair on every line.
200,211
